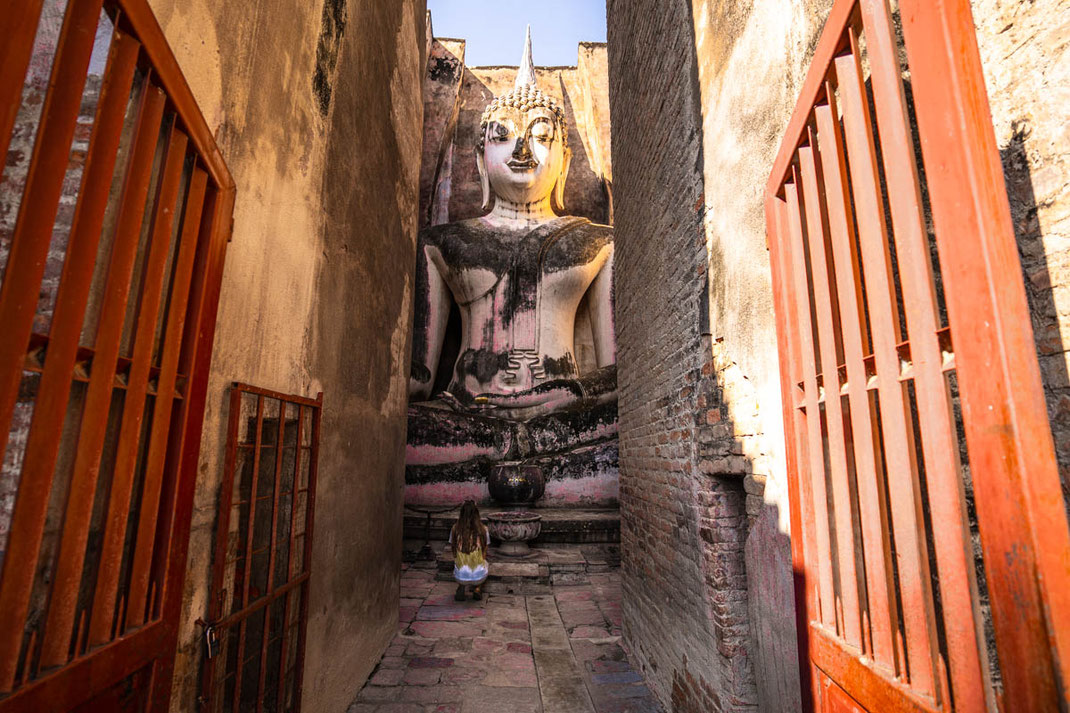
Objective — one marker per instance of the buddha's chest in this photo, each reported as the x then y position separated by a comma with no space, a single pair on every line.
520,274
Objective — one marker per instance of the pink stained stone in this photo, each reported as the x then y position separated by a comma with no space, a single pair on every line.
445,629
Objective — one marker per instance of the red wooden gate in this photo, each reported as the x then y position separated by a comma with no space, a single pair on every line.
910,385
111,275
263,554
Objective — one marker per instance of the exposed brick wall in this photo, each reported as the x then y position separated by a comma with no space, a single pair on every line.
694,300
1025,49
682,529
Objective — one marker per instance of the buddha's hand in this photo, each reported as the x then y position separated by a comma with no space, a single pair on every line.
548,397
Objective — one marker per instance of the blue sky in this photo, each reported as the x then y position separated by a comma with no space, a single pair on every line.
494,29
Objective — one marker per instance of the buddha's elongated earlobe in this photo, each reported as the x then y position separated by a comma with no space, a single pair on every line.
557,201
484,179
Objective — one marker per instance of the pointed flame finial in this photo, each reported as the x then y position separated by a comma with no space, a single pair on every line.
525,74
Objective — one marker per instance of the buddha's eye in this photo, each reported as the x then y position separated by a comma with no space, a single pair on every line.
543,132
499,133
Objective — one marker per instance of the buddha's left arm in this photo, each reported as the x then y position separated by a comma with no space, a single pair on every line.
600,311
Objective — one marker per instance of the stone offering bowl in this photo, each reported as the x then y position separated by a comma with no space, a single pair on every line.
516,483
515,529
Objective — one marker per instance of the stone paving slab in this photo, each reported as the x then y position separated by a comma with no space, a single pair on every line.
556,649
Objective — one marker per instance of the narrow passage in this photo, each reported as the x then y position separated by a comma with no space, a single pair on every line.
552,649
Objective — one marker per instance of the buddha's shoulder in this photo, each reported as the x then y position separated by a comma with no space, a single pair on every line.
595,232
460,231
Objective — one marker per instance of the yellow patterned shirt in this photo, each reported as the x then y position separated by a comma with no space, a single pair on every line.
469,566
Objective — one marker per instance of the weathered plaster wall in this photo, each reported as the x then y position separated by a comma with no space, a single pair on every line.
318,113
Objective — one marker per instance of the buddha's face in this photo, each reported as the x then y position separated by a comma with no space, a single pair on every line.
524,154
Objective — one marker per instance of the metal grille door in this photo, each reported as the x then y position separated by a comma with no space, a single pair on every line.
256,639
114,214
913,404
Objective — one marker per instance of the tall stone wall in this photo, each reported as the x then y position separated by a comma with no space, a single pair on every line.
317,110
697,120
682,530
701,93
771,44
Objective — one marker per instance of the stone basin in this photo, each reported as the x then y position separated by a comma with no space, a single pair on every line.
515,528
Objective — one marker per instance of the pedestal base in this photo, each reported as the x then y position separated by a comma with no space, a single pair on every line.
515,550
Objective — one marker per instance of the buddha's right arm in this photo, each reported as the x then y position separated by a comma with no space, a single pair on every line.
432,309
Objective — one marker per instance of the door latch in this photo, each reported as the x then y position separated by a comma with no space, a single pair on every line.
211,638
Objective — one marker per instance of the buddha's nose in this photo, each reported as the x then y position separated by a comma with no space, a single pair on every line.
522,152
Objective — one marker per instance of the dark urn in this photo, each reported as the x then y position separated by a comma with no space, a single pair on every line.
516,483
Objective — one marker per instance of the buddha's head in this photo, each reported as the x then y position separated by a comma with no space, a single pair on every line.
523,153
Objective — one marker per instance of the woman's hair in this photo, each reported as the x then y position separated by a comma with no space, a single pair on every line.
469,533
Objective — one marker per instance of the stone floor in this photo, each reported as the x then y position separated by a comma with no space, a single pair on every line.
557,651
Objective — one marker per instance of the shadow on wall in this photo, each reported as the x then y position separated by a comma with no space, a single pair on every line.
1039,282
733,465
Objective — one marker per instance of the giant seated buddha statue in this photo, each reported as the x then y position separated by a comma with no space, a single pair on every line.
518,276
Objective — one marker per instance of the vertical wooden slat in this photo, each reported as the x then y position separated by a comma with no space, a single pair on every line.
183,450
71,299
815,446
107,343
18,27
799,502
827,317
18,304
213,215
271,556
290,554
248,550
144,341
947,501
794,396
1020,508
162,426
883,617
899,449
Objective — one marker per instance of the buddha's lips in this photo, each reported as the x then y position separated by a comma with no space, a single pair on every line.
521,165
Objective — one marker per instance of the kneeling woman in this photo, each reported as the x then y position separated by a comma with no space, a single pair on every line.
469,540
